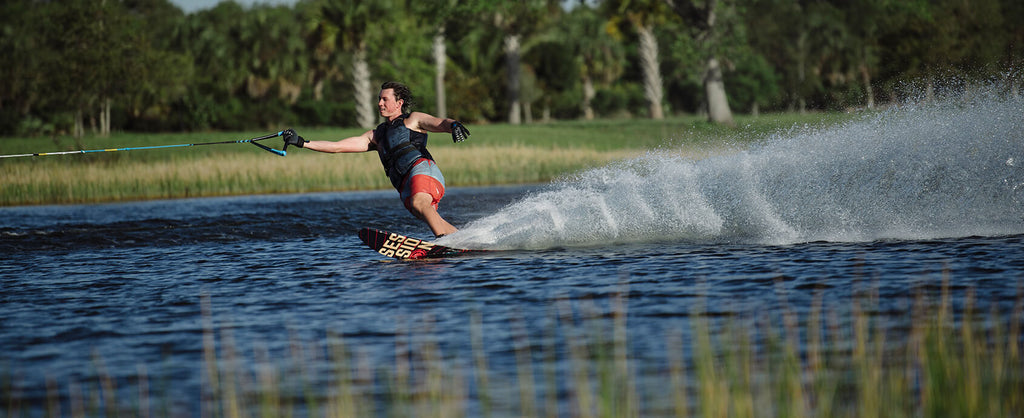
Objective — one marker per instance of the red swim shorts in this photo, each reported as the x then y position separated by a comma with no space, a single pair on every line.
424,177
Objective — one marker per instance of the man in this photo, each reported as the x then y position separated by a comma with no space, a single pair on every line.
401,142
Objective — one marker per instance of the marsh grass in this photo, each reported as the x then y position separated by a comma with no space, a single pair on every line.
953,361
238,174
495,154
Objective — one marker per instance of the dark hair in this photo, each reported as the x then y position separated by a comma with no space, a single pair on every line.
401,93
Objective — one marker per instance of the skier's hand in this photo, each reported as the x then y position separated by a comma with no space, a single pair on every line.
292,138
459,132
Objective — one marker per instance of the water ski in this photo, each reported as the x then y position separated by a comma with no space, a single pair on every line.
406,248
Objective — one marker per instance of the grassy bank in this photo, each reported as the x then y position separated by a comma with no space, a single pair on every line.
495,154
832,362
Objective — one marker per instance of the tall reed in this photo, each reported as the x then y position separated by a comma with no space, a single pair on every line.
831,362
55,181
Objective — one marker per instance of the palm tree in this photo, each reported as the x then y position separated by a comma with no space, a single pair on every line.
440,60
442,12
705,20
865,19
321,44
272,38
644,15
517,19
598,54
209,37
354,23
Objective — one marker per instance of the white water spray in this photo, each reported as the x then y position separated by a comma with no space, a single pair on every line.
950,168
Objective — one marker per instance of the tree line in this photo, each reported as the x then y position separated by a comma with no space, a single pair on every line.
144,65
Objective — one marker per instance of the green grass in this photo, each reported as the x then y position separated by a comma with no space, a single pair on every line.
495,154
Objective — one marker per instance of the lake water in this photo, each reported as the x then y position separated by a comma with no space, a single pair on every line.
892,205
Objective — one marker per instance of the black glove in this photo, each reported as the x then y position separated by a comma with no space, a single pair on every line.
459,132
292,138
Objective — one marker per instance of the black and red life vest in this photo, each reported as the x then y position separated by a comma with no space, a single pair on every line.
399,148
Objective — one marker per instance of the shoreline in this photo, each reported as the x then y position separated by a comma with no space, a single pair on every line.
496,155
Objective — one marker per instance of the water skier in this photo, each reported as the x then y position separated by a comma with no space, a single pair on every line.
401,142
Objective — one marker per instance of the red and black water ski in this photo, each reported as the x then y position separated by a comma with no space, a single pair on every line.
406,248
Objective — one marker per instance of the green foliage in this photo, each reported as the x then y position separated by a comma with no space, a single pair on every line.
753,83
235,67
619,100
324,113
471,98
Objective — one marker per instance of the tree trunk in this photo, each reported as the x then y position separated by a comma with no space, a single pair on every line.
869,92
801,70
512,51
714,87
366,113
105,119
318,89
79,129
652,72
440,59
588,97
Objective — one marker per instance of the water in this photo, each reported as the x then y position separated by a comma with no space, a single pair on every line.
894,205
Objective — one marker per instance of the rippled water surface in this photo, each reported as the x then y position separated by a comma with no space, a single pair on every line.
893,205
